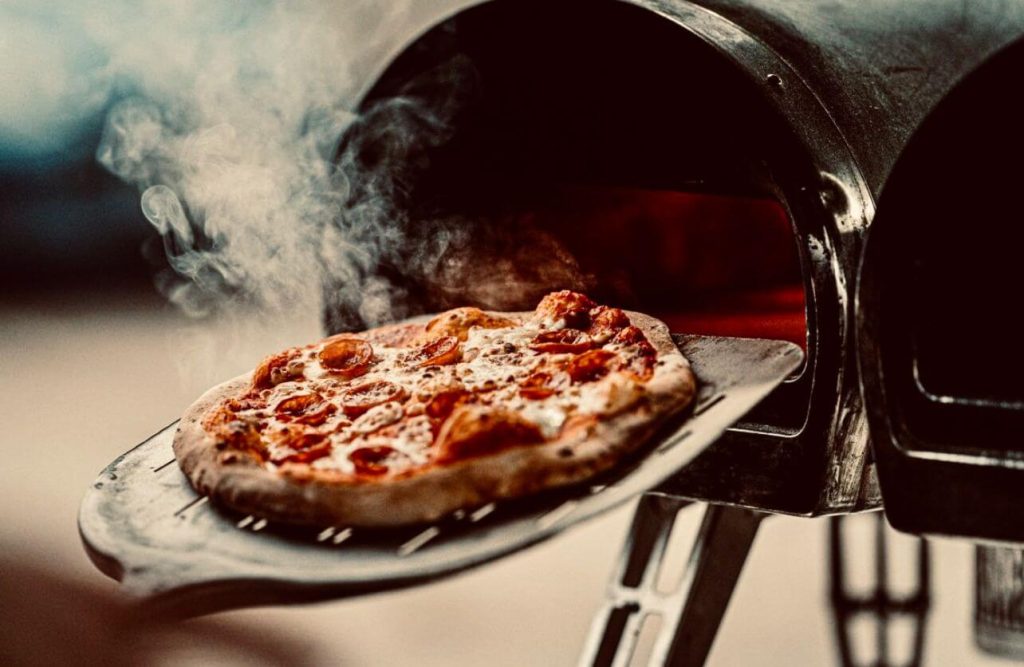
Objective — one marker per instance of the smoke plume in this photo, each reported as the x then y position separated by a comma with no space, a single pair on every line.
230,115
229,123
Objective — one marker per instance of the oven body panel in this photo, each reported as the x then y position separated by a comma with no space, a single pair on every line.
879,67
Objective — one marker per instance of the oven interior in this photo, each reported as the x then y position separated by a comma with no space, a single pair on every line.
652,161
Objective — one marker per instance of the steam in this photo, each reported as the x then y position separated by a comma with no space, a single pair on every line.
230,126
233,113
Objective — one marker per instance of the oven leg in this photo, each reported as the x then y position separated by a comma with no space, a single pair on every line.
688,617
879,604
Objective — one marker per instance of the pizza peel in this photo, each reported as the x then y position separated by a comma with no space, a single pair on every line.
144,525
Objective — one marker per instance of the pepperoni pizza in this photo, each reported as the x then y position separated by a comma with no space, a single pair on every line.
410,422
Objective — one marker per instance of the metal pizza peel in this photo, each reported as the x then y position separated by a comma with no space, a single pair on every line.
144,525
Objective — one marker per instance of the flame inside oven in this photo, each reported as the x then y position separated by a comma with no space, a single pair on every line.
703,263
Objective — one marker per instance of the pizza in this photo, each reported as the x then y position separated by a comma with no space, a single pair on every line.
410,422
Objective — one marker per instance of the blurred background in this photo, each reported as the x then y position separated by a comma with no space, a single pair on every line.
95,359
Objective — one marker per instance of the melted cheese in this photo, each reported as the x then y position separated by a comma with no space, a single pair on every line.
548,415
497,358
378,417
615,393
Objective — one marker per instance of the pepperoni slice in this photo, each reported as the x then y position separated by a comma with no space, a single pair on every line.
303,448
295,406
371,460
592,365
443,403
309,455
572,307
276,369
476,430
458,321
318,415
629,336
561,340
235,431
346,356
359,399
605,322
305,409
438,352
543,384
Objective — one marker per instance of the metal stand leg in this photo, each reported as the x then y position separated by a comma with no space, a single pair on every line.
999,601
880,604
690,614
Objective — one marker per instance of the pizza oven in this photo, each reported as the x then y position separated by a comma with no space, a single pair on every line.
690,174
717,164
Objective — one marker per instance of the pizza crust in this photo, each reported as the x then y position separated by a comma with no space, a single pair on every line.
321,498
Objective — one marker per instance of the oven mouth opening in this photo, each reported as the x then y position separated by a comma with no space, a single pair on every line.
949,263
660,170
724,265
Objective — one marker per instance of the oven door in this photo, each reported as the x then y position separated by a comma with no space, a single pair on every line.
940,332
